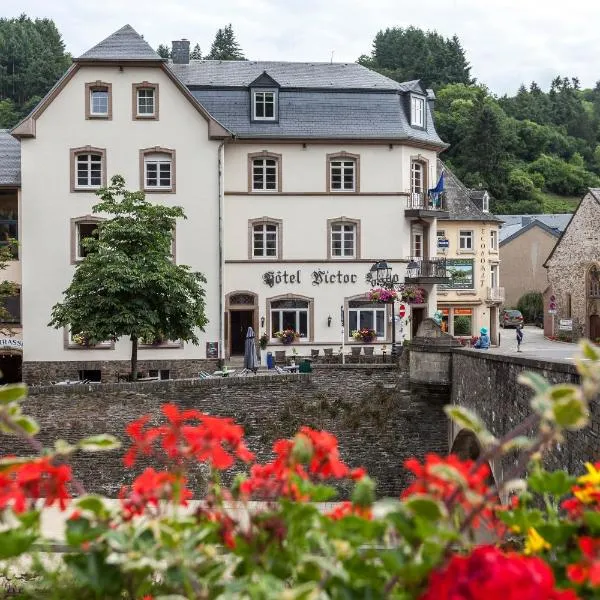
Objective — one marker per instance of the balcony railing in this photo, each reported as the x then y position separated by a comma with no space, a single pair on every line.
427,270
495,294
420,201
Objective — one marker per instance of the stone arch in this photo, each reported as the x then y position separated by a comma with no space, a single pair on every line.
467,446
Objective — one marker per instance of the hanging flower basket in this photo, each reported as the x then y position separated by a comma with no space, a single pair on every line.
366,336
287,336
412,294
382,295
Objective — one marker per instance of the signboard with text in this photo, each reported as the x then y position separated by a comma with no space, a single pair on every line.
460,270
565,324
212,349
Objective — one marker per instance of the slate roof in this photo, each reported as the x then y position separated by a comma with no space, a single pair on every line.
458,199
10,160
513,223
124,44
514,231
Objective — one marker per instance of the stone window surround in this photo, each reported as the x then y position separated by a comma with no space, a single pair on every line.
265,221
471,250
158,150
89,88
357,237
418,158
311,314
70,345
388,316
264,154
75,222
343,155
134,101
74,153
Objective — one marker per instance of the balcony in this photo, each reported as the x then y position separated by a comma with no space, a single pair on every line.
426,270
495,295
424,206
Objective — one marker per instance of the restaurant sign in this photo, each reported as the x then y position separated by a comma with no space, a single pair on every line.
11,342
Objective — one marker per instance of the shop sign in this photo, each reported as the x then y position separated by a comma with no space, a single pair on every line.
212,349
317,277
11,343
565,324
461,274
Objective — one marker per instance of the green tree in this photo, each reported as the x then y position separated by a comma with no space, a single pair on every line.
164,51
531,306
196,53
225,46
8,289
411,53
128,284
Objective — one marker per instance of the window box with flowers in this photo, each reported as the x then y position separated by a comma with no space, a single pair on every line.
287,336
159,340
83,341
366,336
413,295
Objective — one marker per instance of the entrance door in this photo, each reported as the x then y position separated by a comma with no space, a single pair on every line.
594,327
417,317
10,368
240,321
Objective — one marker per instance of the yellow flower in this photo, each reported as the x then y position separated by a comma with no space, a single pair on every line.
585,495
535,542
592,477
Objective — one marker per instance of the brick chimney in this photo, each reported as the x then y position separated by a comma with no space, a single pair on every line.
180,52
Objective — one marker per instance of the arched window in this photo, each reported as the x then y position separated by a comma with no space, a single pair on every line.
291,312
264,238
157,169
594,282
264,172
343,172
88,169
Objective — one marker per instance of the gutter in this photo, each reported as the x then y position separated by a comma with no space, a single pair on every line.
221,200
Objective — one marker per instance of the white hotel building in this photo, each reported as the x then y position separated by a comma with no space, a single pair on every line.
295,178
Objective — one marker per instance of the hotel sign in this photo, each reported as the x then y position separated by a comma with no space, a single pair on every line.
11,343
317,277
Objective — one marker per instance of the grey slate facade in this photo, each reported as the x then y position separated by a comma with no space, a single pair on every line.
10,160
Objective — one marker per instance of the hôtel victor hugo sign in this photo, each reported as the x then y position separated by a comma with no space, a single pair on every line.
317,277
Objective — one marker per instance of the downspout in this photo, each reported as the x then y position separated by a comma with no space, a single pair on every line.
221,168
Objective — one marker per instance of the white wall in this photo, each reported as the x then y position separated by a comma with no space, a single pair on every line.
48,205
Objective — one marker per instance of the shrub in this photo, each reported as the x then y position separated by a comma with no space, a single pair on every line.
531,306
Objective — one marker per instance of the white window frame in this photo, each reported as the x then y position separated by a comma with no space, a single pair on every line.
374,310
296,310
417,166
417,111
138,97
465,240
261,230
260,164
485,203
344,232
260,97
494,276
346,166
89,163
159,159
494,240
99,90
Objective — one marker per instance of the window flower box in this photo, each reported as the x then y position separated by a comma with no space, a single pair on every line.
366,336
287,336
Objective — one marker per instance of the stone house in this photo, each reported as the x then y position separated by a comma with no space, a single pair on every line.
574,273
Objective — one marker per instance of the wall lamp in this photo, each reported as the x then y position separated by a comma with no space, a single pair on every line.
329,321
262,321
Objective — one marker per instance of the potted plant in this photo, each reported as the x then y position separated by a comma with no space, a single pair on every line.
287,336
413,295
382,295
364,335
263,340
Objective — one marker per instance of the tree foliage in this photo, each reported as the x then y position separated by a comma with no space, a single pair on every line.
225,46
128,284
531,306
32,59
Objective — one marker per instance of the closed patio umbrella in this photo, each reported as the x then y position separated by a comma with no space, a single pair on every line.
250,361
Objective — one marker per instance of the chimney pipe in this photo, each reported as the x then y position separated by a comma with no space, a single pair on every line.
180,52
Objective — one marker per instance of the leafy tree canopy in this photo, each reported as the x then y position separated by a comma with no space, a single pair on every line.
128,284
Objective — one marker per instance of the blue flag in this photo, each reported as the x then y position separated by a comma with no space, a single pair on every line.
434,193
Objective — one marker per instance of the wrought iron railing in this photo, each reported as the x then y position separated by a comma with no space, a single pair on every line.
426,201
426,268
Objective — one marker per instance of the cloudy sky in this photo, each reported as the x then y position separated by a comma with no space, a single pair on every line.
507,41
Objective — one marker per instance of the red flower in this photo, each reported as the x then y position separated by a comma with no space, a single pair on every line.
489,574
588,569
22,484
451,478
345,509
188,435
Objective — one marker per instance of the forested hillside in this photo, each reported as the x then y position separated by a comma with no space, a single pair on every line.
536,151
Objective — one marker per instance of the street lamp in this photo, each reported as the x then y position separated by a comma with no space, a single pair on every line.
381,275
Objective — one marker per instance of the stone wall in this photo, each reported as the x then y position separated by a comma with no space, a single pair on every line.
379,423
487,384
43,372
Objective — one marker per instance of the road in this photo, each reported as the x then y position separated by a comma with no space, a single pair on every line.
535,345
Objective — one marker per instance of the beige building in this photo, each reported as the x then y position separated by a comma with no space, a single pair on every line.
574,275
468,239
295,178
523,255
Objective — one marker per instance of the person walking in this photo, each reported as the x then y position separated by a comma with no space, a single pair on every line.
519,337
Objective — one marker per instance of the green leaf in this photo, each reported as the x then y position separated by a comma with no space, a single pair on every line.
464,417
63,447
363,493
12,393
557,483
27,424
592,520
534,381
571,412
563,390
426,507
94,504
15,542
99,443
8,462
520,442
588,350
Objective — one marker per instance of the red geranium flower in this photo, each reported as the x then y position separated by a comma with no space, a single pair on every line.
588,569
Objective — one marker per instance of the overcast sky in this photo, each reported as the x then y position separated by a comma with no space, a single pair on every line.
507,41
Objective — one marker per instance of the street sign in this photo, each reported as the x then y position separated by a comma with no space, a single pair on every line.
402,311
553,298
565,324
552,306
443,243
552,311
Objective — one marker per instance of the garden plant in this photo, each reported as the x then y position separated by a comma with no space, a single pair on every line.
158,542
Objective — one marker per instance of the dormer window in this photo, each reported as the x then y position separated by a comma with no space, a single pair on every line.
485,203
417,111
264,105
